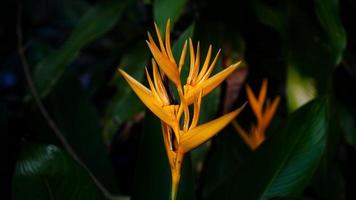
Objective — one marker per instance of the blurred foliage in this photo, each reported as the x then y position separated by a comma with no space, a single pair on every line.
306,49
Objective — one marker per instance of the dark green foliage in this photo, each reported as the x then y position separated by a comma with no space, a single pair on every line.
46,172
284,164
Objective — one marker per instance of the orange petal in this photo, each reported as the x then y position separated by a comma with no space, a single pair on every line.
148,99
270,111
182,56
263,92
163,50
208,85
161,90
206,64
196,65
210,70
254,104
200,134
168,143
168,67
192,61
244,135
152,87
168,41
197,104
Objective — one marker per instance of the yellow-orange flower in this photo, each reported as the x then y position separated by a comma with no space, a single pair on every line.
179,139
263,115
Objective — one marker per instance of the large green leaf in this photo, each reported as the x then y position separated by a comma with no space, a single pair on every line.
46,172
125,104
77,119
167,9
284,164
95,23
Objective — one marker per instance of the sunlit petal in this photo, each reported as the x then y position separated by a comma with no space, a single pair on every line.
152,87
168,67
159,84
148,99
208,85
206,64
196,65
182,56
192,61
163,50
200,134
168,143
196,111
168,41
210,70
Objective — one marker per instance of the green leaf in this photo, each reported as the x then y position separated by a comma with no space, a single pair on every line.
167,9
328,15
152,177
78,121
95,23
284,164
46,172
125,104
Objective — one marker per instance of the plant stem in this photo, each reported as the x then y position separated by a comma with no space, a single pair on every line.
176,173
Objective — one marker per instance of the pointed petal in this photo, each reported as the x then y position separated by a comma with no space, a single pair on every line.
192,61
152,87
169,68
196,65
263,92
254,104
163,50
182,56
186,116
208,85
161,90
168,143
244,135
147,98
210,70
168,41
270,111
197,104
205,65
200,134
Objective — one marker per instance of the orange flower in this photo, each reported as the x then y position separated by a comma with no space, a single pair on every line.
263,115
180,139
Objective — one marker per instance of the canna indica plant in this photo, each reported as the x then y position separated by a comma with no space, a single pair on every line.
181,133
264,115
